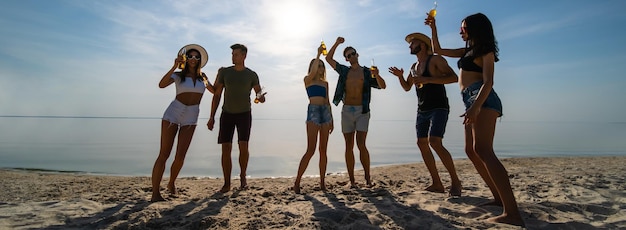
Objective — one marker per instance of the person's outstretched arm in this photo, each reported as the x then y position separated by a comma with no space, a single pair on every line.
405,83
435,42
331,52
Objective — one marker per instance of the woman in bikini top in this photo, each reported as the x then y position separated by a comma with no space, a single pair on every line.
476,65
319,119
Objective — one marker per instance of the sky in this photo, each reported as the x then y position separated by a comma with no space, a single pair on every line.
560,60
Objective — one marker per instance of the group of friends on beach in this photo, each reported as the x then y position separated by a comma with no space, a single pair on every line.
428,74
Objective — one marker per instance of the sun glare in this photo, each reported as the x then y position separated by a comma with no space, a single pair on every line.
295,19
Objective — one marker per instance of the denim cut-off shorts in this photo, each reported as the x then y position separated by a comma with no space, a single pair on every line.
181,114
319,114
470,94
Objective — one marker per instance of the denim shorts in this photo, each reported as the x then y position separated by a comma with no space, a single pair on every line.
470,94
431,123
319,114
352,119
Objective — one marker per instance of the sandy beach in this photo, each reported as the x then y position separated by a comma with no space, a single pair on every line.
553,193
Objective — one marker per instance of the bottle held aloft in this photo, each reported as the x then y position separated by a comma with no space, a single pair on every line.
182,53
433,12
324,51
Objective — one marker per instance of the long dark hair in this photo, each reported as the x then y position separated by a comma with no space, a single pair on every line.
186,70
480,34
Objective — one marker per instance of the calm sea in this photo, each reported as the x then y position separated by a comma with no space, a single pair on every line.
129,146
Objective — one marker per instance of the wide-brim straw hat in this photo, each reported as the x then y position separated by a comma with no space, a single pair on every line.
421,37
204,56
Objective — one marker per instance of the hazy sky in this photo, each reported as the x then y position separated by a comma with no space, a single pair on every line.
560,59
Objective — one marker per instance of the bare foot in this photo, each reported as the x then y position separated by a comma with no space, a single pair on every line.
505,219
225,189
156,198
172,189
491,203
369,183
435,188
455,191
323,187
244,183
296,189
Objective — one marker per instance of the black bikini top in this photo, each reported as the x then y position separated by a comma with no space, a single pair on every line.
467,63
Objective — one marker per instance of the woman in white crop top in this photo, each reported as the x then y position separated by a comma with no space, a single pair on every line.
181,115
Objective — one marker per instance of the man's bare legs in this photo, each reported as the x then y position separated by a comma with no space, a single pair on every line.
349,154
184,140
364,155
227,165
244,155
484,132
168,133
311,131
429,160
437,144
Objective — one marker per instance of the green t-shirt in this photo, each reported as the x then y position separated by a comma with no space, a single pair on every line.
237,88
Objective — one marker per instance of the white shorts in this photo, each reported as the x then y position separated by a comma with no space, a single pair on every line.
181,114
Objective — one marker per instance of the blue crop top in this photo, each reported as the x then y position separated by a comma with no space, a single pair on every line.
467,63
316,91
188,86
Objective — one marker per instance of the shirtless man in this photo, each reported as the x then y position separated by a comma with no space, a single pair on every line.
354,89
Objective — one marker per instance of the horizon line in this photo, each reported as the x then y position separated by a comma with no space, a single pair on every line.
142,117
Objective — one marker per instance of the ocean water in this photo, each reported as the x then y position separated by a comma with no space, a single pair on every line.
129,146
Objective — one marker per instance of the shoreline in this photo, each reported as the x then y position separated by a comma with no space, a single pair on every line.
340,172
553,193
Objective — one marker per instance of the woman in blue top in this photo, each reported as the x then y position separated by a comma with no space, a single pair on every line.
319,119
181,115
482,108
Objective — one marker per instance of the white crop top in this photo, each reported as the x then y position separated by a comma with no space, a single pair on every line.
188,85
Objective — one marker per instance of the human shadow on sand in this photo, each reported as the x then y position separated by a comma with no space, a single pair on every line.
197,213
401,214
337,216
537,213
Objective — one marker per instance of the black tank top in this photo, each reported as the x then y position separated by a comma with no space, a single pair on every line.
430,96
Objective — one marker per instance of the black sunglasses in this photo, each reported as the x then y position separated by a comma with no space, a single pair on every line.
351,54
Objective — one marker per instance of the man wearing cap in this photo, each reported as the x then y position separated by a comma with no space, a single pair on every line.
429,74
354,89
237,81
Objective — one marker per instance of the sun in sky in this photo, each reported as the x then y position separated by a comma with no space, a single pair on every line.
294,19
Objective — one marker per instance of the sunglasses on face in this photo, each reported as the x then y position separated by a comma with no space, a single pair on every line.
463,30
197,58
351,54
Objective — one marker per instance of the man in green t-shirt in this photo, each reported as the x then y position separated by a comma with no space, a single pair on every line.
236,81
